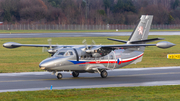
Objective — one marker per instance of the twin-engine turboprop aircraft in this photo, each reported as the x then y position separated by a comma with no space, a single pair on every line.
98,58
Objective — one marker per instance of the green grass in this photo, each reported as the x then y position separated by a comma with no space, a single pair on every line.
74,31
27,59
155,93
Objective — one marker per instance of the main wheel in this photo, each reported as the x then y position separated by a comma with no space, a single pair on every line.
59,76
104,74
75,74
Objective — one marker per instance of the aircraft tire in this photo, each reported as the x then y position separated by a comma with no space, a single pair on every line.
75,74
104,74
59,76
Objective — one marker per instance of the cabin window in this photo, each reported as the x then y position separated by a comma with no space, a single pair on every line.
111,57
68,53
71,53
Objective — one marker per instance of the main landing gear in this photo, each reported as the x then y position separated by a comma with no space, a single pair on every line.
75,74
103,73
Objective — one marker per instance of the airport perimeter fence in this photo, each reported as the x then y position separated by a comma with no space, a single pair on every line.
80,27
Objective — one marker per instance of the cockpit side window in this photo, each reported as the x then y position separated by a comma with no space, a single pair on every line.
64,52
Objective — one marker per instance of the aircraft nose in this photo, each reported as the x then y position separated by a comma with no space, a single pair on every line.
42,66
45,64
49,63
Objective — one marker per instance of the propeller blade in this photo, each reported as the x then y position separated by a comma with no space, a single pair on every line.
85,43
93,43
49,41
44,49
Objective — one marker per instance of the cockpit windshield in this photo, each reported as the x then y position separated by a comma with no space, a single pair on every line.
64,52
61,53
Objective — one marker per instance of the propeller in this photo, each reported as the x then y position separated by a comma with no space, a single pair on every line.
89,49
45,49
50,50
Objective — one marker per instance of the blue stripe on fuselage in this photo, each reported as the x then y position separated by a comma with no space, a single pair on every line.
77,62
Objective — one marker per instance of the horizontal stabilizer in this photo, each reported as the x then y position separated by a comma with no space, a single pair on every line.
117,40
146,40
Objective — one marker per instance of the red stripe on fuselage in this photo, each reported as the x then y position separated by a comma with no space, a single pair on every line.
132,59
105,62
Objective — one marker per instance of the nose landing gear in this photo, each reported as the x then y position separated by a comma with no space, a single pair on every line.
59,76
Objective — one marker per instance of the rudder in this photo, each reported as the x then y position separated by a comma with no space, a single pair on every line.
142,29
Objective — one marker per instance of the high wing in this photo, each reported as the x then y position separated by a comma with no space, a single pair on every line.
127,45
165,44
15,45
52,48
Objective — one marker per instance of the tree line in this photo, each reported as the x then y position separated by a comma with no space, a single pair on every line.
86,11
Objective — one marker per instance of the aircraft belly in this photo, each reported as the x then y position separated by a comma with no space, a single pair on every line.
70,67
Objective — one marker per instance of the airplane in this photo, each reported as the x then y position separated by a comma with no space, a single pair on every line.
98,58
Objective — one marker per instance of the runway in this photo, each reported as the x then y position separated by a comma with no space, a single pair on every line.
32,81
37,35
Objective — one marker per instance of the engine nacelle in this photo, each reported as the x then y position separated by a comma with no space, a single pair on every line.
96,55
52,51
164,44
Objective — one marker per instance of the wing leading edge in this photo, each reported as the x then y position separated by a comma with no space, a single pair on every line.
15,45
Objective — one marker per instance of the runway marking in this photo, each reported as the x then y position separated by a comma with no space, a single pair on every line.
91,77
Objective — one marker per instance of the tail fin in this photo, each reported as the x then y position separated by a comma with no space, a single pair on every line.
142,29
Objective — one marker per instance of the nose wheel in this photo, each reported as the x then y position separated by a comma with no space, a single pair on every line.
104,74
59,76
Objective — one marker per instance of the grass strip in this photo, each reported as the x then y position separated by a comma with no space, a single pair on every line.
151,93
27,59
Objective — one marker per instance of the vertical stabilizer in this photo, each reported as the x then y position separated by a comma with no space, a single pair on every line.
141,31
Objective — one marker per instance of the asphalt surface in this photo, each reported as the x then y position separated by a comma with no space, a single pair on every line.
35,35
117,78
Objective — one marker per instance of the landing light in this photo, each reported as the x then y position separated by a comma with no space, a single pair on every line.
42,68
